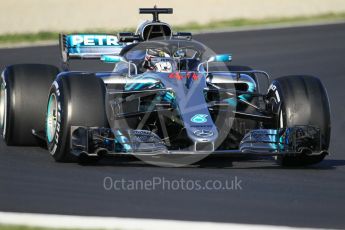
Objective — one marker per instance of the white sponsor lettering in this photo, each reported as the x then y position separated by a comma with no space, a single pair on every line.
89,40
100,39
93,40
111,40
76,39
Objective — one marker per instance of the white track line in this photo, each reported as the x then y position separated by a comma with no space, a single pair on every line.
92,222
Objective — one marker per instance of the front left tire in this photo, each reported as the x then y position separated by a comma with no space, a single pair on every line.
74,100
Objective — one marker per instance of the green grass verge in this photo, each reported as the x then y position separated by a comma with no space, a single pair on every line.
193,26
235,23
15,227
19,227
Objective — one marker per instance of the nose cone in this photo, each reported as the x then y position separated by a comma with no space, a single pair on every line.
200,126
194,110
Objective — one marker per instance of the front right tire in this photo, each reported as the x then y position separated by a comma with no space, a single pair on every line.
24,90
301,100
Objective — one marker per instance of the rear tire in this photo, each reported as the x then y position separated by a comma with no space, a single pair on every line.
24,91
80,101
303,100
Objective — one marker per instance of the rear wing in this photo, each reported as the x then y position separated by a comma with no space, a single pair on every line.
88,46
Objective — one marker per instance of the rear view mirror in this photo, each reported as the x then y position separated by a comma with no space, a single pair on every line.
216,58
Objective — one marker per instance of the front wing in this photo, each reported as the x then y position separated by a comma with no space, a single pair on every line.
95,141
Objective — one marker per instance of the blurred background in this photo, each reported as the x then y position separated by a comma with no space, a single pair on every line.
32,16
31,182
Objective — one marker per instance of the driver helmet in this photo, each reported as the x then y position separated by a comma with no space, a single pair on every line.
159,61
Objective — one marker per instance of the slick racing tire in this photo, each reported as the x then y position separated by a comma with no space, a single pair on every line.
75,100
302,100
23,97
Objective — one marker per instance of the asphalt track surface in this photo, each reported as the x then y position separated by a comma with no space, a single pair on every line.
30,181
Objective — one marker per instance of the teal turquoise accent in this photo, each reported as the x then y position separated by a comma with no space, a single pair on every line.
147,82
92,43
199,118
245,97
278,142
121,142
281,142
221,58
169,97
99,40
151,83
111,58
251,88
49,136
231,101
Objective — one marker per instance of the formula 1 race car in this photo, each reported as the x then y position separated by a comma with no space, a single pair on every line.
168,97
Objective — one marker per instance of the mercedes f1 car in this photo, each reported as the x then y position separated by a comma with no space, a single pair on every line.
169,97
